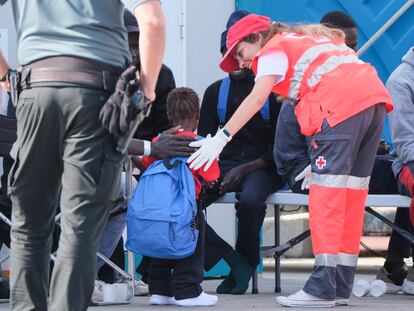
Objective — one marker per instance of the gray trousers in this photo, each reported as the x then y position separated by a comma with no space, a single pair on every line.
60,144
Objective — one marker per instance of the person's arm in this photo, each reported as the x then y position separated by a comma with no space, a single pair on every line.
212,147
167,145
151,23
4,68
235,177
401,119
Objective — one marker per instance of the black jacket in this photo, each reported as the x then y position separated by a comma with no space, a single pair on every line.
255,140
157,121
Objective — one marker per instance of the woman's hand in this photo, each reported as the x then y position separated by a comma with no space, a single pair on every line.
210,149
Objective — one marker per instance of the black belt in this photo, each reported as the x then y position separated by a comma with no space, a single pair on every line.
69,72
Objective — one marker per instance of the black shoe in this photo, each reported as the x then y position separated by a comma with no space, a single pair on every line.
395,280
241,271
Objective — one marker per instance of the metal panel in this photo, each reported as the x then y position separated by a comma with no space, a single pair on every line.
385,54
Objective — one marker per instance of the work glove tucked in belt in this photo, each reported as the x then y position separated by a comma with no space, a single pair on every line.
117,113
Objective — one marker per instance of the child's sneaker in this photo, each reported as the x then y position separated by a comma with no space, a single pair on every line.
159,300
408,285
202,300
395,280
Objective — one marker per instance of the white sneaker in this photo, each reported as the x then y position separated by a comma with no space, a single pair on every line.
341,301
140,288
304,300
97,295
202,300
408,287
160,300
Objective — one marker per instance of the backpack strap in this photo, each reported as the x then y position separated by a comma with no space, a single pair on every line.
172,162
265,112
222,100
222,104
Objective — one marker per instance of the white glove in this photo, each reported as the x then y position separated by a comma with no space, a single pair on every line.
306,175
210,149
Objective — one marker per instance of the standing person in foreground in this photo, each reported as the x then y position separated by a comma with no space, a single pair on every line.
306,63
61,143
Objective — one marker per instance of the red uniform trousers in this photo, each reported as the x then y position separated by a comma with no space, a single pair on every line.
342,158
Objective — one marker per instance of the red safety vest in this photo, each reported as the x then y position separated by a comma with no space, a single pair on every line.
327,77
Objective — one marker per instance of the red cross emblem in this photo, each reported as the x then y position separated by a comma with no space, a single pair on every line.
320,162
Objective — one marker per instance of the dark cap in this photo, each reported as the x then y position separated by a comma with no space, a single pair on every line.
130,22
233,18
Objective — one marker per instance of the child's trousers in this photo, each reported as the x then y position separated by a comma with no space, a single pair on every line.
180,278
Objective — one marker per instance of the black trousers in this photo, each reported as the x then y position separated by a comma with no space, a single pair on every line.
251,211
398,245
180,278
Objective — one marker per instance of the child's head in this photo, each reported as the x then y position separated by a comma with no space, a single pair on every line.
183,108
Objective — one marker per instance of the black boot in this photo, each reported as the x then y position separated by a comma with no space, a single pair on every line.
241,272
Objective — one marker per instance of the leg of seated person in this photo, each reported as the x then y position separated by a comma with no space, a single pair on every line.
251,211
110,237
394,271
106,273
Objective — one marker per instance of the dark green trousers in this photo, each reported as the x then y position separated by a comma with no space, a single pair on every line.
60,144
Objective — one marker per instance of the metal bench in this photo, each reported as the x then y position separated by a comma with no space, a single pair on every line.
286,197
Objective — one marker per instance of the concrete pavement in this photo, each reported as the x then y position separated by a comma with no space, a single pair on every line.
294,275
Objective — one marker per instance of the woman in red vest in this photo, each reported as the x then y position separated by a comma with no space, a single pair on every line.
340,104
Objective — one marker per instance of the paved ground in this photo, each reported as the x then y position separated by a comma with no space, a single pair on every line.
295,272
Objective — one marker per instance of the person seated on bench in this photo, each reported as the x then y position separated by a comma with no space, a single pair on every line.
401,87
246,168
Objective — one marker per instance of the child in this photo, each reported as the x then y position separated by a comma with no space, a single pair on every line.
178,281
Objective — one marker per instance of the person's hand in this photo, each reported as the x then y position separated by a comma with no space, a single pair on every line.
210,185
233,179
110,114
5,85
210,149
306,175
169,145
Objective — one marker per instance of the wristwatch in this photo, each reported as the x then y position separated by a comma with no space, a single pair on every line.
4,78
226,133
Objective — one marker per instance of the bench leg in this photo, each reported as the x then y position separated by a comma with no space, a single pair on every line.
255,290
277,243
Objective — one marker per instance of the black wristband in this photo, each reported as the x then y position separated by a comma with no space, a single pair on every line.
4,78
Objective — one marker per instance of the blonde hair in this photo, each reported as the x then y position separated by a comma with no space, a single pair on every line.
305,29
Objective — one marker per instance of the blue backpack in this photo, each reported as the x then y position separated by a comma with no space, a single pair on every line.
222,104
162,211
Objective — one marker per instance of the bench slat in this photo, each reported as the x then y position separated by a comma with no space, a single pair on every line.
284,197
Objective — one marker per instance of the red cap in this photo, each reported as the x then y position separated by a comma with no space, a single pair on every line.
247,25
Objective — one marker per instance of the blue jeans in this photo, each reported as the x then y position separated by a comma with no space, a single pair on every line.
110,237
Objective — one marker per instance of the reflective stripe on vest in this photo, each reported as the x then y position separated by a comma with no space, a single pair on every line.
330,64
340,181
